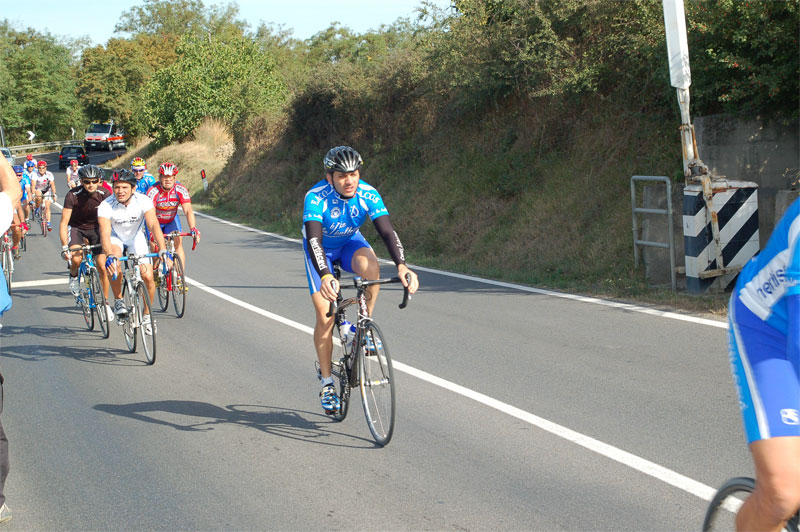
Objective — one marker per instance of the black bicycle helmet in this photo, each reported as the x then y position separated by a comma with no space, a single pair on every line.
125,176
342,159
91,172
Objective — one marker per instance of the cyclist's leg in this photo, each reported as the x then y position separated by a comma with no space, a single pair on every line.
175,225
16,232
323,327
141,246
777,493
359,258
116,284
769,392
75,241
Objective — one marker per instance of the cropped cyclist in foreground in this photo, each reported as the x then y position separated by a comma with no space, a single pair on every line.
333,211
764,333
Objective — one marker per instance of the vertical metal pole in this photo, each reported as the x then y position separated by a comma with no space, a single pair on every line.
635,231
673,277
2,136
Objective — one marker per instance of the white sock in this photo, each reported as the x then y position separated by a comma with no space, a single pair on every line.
326,381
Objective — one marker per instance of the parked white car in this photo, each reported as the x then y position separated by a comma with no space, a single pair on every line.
8,156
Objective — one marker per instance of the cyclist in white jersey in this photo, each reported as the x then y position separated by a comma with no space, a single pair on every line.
72,174
121,219
44,187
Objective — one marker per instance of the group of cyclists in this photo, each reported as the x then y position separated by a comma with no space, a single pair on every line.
38,192
132,218
764,311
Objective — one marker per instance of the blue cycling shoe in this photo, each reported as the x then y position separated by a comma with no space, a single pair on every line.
329,399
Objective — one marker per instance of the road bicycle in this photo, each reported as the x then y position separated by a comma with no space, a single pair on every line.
173,281
7,258
364,362
722,510
91,298
38,217
137,301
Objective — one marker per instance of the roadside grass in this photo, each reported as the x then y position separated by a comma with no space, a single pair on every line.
480,202
209,150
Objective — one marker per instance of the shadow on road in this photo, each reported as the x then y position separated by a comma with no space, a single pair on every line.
287,423
91,354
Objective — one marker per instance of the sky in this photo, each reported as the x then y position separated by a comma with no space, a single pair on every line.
305,17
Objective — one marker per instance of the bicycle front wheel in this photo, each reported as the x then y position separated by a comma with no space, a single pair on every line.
83,300
178,287
376,381
8,267
99,302
721,513
147,330
129,324
163,289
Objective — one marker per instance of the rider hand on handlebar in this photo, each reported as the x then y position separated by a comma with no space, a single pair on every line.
402,271
329,287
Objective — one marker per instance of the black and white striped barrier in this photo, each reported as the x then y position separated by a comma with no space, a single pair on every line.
718,243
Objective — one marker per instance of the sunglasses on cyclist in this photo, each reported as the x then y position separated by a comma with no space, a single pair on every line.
137,170
90,181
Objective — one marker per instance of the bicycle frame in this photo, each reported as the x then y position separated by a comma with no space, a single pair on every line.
87,266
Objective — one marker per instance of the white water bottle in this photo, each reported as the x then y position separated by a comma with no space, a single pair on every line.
347,331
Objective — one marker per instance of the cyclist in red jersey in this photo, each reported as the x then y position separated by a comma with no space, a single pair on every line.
167,196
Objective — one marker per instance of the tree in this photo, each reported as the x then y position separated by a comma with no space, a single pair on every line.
227,80
177,17
38,85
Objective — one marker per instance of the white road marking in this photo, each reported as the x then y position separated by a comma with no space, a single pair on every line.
16,285
623,457
522,288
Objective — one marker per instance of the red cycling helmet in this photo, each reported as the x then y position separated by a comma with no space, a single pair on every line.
29,157
42,163
168,170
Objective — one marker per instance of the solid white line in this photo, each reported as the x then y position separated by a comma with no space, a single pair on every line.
623,457
16,285
562,295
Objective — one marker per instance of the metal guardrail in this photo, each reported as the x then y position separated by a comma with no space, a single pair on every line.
55,144
641,210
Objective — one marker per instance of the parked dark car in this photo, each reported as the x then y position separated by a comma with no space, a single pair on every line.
69,153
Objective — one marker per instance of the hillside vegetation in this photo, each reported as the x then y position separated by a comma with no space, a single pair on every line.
501,133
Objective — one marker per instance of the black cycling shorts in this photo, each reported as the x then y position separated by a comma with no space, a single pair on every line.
76,236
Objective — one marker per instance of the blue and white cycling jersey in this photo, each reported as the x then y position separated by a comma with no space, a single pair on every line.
144,184
341,218
763,334
765,281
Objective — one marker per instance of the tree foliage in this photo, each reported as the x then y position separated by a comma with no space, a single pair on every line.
38,85
178,17
227,80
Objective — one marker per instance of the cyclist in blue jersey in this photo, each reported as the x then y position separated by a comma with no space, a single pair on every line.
144,180
764,334
20,227
334,209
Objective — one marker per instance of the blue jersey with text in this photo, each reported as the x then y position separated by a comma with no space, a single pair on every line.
774,273
341,218
145,183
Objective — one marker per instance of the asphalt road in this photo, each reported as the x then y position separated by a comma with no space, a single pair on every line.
517,409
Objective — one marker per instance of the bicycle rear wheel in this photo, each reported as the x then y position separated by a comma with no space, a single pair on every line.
148,336
129,324
83,300
178,287
99,302
376,382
